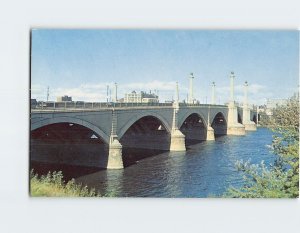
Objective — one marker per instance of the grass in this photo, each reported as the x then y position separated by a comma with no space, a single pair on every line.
53,185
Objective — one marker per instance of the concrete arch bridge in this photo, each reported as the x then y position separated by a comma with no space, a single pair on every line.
161,126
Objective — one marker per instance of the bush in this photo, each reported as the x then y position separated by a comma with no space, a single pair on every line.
53,185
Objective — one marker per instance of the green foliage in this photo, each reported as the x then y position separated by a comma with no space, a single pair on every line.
53,185
264,119
282,179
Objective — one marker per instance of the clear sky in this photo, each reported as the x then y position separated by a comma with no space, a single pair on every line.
81,63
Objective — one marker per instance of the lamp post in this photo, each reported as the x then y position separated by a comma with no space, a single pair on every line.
116,92
191,89
213,94
232,86
177,93
107,91
245,105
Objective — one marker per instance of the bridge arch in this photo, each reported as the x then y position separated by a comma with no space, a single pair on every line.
218,117
194,128
188,114
149,132
137,117
71,120
219,124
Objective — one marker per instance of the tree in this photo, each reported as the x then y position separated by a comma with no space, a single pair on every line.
264,119
282,178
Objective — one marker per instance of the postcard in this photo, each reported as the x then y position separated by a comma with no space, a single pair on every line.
164,113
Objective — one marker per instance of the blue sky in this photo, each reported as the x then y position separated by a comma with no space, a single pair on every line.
81,63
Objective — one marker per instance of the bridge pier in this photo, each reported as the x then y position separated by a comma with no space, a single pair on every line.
210,135
177,137
115,160
249,125
210,132
234,128
177,141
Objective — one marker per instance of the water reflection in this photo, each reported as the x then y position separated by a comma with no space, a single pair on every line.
173,173
109,183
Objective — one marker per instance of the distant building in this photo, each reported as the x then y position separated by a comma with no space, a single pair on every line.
64,98
133,97
140,97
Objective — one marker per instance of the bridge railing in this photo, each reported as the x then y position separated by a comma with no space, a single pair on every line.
91,105
80,105
199,105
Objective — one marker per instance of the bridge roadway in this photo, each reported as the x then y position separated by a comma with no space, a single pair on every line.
149,126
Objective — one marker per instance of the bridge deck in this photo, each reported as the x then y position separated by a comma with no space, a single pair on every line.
116,106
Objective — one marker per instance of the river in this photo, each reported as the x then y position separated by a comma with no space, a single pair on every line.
206,169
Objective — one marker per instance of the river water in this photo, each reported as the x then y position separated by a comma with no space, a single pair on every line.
206,169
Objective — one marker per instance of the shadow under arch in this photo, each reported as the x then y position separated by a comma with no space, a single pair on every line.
219,124
254,119
239,119
71,120
146,136
136,118
72,148
182,119
194,128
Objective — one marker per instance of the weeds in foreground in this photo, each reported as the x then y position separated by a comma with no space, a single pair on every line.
53,185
